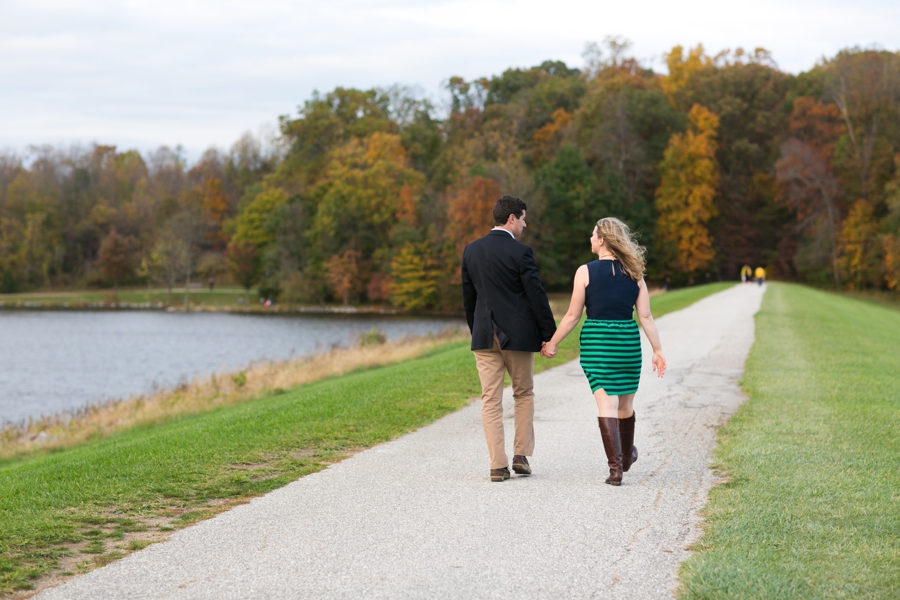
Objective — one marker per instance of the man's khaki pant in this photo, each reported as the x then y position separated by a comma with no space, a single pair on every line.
492,364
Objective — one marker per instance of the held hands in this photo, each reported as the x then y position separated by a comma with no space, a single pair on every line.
659,363
548,349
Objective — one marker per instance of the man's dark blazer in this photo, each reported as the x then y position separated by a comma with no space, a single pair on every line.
501,286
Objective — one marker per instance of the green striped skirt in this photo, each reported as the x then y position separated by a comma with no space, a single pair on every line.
611,355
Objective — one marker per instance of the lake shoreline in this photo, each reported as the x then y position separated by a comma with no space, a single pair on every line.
62,359
251,309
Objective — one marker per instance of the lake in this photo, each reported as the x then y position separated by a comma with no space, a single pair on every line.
55,361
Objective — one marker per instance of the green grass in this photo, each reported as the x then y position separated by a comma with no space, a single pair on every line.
82,502
811,507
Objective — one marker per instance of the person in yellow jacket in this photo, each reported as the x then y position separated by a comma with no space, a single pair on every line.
760,275
746,273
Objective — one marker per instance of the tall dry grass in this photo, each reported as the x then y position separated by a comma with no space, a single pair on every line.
258,380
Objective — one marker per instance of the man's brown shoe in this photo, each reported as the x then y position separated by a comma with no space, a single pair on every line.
520,465
500,474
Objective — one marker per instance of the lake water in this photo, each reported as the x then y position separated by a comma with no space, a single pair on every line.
56,361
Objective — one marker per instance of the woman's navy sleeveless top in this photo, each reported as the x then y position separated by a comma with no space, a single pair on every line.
610,294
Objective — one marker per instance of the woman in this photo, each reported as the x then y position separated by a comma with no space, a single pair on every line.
611,287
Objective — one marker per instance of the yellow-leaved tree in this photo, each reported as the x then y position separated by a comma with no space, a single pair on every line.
415,277
686,194
861,249
891,239
367,184
681,68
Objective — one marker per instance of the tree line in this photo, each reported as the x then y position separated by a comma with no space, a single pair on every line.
371,195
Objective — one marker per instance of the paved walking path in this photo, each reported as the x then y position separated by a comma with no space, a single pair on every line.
419,518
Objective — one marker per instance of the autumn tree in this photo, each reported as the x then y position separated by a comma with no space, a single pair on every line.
327,122
548,137
809,187
215,208
891,227
891,248
115,258
415,278
469,211
681,68
254,223
368,190
861,248
748,94
817,124
622,127
243,264
685,198
806,181
865,87
161,264
344,274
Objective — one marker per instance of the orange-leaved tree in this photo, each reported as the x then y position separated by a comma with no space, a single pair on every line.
115,258
469,211
547,137
344,274
215,206
891,247
685,197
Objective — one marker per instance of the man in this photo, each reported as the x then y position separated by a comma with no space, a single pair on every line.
510,319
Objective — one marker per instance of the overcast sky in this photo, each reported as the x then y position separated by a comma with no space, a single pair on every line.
142,73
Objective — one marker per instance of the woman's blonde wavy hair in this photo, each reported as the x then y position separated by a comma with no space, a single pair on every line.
622,242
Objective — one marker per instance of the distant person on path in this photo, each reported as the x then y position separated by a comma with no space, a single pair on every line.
746,273
760,276
212,284
611,288
510,319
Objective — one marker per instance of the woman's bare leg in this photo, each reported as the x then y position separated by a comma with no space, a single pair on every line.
626,406
607,406
616,407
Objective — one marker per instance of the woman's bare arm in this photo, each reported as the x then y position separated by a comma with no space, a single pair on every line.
649,325
573,315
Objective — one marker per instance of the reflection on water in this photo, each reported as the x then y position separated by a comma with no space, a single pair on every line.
54,361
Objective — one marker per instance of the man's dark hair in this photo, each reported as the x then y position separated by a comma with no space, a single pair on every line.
505,206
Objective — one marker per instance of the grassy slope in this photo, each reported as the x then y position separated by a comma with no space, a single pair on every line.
812,504
171,475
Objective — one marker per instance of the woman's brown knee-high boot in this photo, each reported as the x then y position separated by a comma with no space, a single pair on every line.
629,450
612,443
